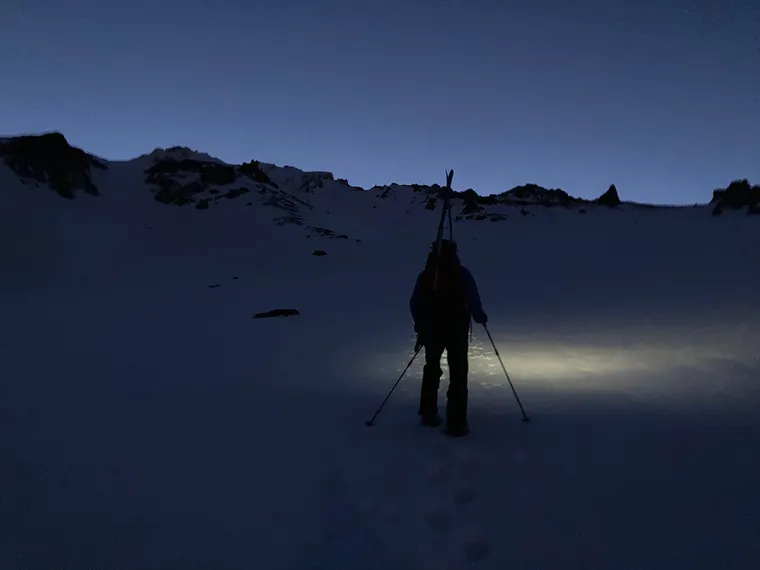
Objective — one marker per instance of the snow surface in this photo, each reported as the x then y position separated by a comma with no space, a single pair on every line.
148,422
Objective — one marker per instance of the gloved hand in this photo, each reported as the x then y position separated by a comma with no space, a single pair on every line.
480,318
420,341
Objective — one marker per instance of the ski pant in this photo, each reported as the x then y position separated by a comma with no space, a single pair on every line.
455,343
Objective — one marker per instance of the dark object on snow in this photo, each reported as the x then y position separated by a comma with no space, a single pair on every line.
48,158
739,194
319,252
277,313
254,171
214,286
236,277
444,299
609,198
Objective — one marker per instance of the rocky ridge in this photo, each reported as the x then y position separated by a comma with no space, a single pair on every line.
181,177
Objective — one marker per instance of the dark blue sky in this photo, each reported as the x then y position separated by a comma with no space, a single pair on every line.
660,97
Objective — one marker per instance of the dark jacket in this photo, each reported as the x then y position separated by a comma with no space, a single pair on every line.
470,290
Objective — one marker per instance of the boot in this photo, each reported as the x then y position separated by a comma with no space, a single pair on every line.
428,410
431,380
457,430
456,413
431,421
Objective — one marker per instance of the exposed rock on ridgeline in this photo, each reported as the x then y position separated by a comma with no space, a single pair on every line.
50,159
609,198
738,195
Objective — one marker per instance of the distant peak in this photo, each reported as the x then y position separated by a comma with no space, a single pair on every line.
610,197
182,153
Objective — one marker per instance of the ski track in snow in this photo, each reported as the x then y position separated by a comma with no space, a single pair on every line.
147,422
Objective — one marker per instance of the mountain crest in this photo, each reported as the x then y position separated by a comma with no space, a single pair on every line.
50,159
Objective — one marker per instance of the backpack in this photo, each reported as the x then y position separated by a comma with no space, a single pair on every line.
443,300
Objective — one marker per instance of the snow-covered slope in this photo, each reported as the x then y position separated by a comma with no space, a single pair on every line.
315,201
148,422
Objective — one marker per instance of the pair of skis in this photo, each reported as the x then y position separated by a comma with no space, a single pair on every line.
447,191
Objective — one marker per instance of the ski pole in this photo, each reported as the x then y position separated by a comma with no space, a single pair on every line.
525,417
372,421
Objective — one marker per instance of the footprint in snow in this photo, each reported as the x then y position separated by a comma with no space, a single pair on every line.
476,546
437,473
463,459
464,494
436,517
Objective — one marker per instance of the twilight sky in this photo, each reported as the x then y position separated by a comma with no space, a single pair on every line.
660,97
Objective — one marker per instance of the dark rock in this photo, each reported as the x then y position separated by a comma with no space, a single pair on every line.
609,198
235,192
469,196
277,313
311,181
282,201
214,286
319,252
324,232
470,201
430,204
210,172
170,191
202,205
48,158
254,171
388,192
289,219
533,194
739,194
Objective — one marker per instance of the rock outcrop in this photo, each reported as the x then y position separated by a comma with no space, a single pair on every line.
609,198
738,195
50,159
277,313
